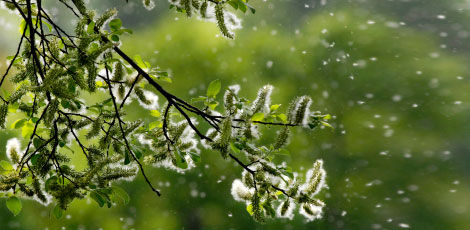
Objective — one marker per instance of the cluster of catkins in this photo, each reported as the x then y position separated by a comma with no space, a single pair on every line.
212,11
57,118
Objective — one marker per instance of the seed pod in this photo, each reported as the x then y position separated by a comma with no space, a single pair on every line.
17,95
219,16
229,102
95,128
285,207
203,9
195,3
91,80
140,94
187,7
282,138
263,99
51,111
301,111
3,114
118,72
257,213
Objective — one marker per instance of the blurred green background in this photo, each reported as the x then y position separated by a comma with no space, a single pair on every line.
394,74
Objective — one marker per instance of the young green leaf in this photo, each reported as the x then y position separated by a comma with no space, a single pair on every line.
121,194
14,205
115,24
6,165
257,117
214,88
58,212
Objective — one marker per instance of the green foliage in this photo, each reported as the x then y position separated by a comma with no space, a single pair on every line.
14,205
51,91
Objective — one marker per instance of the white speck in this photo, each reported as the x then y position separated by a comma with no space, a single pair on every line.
458,102
434,54
441,16
324,31
413,187
384,153
269,64
396,98
370,22
388,133
414,105
403,225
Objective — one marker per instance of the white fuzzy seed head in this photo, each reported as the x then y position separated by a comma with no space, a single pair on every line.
13,150
240,192
311,212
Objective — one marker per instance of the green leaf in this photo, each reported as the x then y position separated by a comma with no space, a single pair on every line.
121,194
14,205
138,60
115,24
234,4
49,182
197,99
155,113
274,107
98,198
213,104
58,212
155,124
241,6
326,124
257,117
18,123
6,165
91,28
165,79
37,142
34,159
214,88
27,130
127,160
234,148
137,152
282,117
114,38
196,158
249,209
283,152
180,161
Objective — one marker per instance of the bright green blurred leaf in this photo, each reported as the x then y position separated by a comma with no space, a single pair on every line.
214,88
14,205
257,117
6,165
